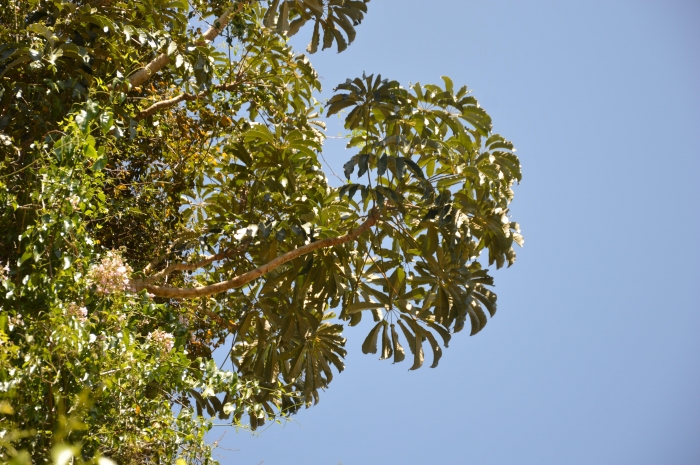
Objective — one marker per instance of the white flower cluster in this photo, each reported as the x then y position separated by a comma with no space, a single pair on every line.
80,313
15,321
161,338
74,200
111,274
3,272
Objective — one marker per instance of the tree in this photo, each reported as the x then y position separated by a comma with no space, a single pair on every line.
162,194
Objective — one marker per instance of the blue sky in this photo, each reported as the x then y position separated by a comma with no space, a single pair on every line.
594,354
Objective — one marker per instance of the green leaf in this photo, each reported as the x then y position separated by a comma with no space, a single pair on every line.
487,298
90,152
360,306
54,55
106,121
315,38
349,189
400,167
382,164
74,51
172,48
410,337
243,328
399,354
259,132
415,342
477,317
283,20
442,332
100,163
437,351
448,84
386,342
431,241
349,167
362,164
15,62
25,256
297,362
41,29
370,344
413,166
82,119
201,403
271,14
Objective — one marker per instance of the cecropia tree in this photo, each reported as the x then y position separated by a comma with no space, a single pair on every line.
162,196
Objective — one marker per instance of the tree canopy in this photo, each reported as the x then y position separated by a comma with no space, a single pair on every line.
162,195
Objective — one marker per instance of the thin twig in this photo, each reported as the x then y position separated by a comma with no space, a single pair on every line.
223,286
156,107
196,265
159,62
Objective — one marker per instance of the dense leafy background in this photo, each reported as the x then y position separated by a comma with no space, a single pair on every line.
163,196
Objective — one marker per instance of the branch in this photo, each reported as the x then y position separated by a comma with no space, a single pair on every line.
196,265
238,281
156,107
159,62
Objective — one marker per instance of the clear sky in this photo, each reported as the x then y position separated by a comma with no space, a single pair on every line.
594,354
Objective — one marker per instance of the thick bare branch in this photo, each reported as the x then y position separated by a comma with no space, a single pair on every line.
238,281
156,107
145,73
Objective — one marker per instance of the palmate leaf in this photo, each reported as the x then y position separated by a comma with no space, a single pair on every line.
317,374
367,95
337,19
295,348
444,306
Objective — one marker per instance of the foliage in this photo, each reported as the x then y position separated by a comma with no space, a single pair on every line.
162,195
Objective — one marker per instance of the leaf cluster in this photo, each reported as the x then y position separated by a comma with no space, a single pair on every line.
204,170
